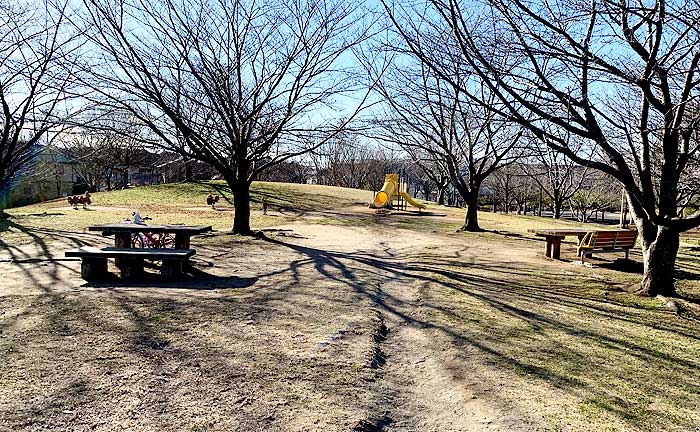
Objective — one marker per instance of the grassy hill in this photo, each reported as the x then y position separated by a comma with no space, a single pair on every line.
185,203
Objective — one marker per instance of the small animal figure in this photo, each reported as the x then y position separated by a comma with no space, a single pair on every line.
83,200
212,200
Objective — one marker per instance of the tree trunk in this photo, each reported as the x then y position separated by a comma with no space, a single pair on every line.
471,222
659,251
556,210
441,195
241,205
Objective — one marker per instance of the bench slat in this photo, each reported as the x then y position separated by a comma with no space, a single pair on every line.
112,252
607,241
606,236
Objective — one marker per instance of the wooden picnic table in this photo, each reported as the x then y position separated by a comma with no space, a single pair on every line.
123,232
554,236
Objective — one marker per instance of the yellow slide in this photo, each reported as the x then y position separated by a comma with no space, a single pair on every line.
391,185
390,190
411,201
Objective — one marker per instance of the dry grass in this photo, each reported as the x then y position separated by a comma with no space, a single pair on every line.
281,334
183,204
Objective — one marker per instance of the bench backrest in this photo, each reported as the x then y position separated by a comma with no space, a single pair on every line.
614,239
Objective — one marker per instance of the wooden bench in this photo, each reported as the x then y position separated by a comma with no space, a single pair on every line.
607,241
130,261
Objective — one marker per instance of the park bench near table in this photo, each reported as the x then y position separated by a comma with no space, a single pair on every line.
607,241
131,265
554,236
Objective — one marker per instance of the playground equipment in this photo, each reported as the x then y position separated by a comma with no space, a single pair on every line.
392,191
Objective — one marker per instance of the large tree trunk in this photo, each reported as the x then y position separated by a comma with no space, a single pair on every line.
659,251
241,205
3,205
471,222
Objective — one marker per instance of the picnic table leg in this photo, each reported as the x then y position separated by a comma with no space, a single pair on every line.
171,268
131,268
548,248
93,269
121,240
556,249
182,241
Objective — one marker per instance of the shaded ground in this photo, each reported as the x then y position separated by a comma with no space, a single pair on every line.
345,320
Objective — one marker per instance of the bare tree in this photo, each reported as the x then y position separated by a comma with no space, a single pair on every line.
35,83
347,161
599,193
104,150
89,155
287,172
552,69
558,176
429,117
435,175
239,84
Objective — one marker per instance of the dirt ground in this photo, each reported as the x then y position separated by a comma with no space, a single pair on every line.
340,327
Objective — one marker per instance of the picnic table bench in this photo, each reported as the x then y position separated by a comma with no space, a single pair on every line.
94,261
554,236
130,259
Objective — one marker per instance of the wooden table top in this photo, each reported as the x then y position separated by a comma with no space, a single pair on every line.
132,227
563,232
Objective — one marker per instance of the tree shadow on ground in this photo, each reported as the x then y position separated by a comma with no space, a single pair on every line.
519,320
193,279
39,241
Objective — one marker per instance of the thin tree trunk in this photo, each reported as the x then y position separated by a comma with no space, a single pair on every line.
441,195
659,252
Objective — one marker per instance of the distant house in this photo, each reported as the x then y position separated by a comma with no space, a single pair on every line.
138,167
51,177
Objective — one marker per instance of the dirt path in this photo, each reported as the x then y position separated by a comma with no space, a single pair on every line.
419,372
422,386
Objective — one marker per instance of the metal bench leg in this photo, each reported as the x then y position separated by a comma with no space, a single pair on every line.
171,268
93,269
